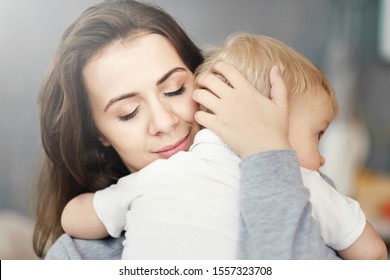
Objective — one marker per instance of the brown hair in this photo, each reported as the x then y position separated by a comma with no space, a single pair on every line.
75,161
255,55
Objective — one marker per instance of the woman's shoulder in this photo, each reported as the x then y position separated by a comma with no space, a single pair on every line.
68,248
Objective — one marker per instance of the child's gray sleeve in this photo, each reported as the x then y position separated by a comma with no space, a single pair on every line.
276,221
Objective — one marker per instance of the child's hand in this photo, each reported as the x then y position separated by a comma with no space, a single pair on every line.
247,121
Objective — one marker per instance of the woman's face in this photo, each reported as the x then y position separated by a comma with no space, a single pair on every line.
140,93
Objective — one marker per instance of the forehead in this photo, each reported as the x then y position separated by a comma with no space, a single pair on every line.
316,103
131,65
141,48
322,105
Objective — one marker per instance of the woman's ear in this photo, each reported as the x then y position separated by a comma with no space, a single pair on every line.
104,141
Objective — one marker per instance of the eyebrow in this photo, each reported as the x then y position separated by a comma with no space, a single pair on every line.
168,74
131,94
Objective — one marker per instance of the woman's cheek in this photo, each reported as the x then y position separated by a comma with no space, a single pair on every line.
189,109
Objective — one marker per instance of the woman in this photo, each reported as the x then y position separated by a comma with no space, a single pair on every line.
95,132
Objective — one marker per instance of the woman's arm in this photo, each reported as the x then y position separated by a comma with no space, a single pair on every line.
68,248
80,220
276,221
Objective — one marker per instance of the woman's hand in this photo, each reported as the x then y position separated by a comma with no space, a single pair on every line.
246,121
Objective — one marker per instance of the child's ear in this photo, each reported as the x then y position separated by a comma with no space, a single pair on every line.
104,141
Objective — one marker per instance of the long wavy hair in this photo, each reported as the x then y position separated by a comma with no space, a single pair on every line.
74,160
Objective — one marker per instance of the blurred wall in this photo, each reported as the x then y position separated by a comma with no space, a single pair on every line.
30,30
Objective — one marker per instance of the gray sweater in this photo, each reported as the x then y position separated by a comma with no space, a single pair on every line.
276,221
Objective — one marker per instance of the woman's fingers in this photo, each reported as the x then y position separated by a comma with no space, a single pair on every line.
206,98
214,83
278,93
247,121
230,73
206,119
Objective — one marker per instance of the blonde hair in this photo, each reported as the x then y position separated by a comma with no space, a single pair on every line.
255,55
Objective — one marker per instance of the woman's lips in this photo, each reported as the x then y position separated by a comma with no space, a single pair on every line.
181,145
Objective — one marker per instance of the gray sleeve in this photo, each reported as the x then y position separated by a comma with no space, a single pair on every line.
276,221
68,248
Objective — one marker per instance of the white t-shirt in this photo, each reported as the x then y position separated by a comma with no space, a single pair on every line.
340,218
187,207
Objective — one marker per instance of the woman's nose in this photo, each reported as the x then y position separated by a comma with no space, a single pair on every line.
163,119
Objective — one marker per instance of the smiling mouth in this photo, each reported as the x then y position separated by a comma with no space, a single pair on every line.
181,145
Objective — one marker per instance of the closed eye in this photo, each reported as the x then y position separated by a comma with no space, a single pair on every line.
180,91
129,116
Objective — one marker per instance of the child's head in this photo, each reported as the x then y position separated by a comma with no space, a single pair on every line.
312,101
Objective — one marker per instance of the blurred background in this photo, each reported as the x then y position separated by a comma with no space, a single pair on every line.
348,39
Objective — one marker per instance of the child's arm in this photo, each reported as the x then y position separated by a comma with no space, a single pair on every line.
369,246
342,223
80,220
